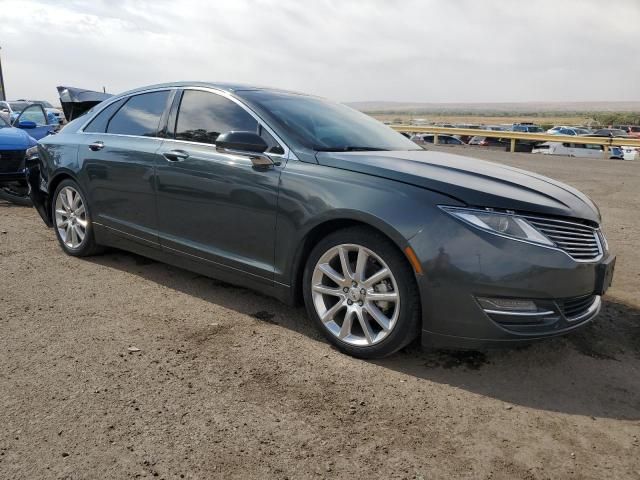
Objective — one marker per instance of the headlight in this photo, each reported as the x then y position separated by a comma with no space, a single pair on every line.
505,224
32,152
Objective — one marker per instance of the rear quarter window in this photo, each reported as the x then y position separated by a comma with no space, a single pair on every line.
140,115
100,121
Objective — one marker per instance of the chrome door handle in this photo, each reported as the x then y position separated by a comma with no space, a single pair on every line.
95,146
176,155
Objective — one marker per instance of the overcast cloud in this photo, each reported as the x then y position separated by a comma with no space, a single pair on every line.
349,50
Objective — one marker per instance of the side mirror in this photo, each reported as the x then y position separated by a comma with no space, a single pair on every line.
242,142
27,124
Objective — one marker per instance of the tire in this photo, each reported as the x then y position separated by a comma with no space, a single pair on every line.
77,219
351,303
17,195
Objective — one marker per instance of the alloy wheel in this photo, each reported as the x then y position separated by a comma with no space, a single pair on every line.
355,295
71,217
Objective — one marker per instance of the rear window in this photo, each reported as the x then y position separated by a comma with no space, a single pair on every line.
140,115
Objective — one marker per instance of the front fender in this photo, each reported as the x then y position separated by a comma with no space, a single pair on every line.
312,195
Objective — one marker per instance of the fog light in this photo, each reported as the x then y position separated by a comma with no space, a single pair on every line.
508,304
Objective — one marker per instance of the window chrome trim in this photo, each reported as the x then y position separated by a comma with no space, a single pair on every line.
215,91
445,209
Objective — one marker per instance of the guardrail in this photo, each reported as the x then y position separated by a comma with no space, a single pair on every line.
515,136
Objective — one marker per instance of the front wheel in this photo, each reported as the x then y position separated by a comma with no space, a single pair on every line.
362,293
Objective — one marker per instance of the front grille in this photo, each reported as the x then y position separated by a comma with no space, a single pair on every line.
573,308
580,241
11,161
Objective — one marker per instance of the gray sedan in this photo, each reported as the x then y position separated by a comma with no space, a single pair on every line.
308,200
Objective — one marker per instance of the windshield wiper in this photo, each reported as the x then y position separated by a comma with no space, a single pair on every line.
349,148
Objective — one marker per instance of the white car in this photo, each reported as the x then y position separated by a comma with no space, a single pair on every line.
564,130
630,153
581,150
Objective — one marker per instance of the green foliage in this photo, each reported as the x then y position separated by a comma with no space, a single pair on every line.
616,118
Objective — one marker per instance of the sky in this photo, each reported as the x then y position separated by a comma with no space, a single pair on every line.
348,50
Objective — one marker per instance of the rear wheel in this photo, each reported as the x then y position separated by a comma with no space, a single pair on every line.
362,293
72,220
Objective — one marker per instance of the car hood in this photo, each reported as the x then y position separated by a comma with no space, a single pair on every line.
14,139
474,182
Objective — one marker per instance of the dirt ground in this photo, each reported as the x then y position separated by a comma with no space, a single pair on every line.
230,384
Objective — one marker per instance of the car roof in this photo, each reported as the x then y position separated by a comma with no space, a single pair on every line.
228,87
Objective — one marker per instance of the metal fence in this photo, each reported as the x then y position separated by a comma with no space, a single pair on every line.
515,136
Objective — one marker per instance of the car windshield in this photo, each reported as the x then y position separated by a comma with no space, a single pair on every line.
323,125
44,103
18,106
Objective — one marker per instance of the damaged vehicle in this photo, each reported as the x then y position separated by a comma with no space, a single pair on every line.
77,101
308,200
16,140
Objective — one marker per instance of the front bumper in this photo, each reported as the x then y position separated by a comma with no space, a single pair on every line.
461,263
17,176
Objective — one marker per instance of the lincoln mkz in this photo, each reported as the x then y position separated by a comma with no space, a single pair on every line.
308,200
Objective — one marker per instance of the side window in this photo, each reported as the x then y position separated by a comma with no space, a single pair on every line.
99,123
140,115
203,116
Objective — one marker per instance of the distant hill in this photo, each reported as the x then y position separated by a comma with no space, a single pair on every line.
522,107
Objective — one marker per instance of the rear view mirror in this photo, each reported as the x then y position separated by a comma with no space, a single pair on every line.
248,142
26,124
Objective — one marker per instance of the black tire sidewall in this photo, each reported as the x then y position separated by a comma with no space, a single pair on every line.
88,245
407,326
15,199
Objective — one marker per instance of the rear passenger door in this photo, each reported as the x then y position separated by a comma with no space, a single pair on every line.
118,155
214,205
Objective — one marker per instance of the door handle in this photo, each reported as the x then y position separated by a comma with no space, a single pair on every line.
95,146
176,155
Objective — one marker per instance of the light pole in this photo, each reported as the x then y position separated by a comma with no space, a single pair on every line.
3,95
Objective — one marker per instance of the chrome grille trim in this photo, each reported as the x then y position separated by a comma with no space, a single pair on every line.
581,242
579,308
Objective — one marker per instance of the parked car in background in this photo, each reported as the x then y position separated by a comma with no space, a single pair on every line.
14,145
424,138
10,110
630,153
609,132
49,108
487,142
35,121
562,130
497,128
632,130
581,150
526,127
77,101
382,240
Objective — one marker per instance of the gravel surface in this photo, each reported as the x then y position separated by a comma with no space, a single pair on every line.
121,367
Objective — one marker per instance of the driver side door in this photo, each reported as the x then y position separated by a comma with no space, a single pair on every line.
34,121
214,205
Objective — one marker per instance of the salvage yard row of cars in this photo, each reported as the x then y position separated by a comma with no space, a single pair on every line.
23,123
571,149
310,201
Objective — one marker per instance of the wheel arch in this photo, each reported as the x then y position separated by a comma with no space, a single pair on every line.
324,228
56,179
